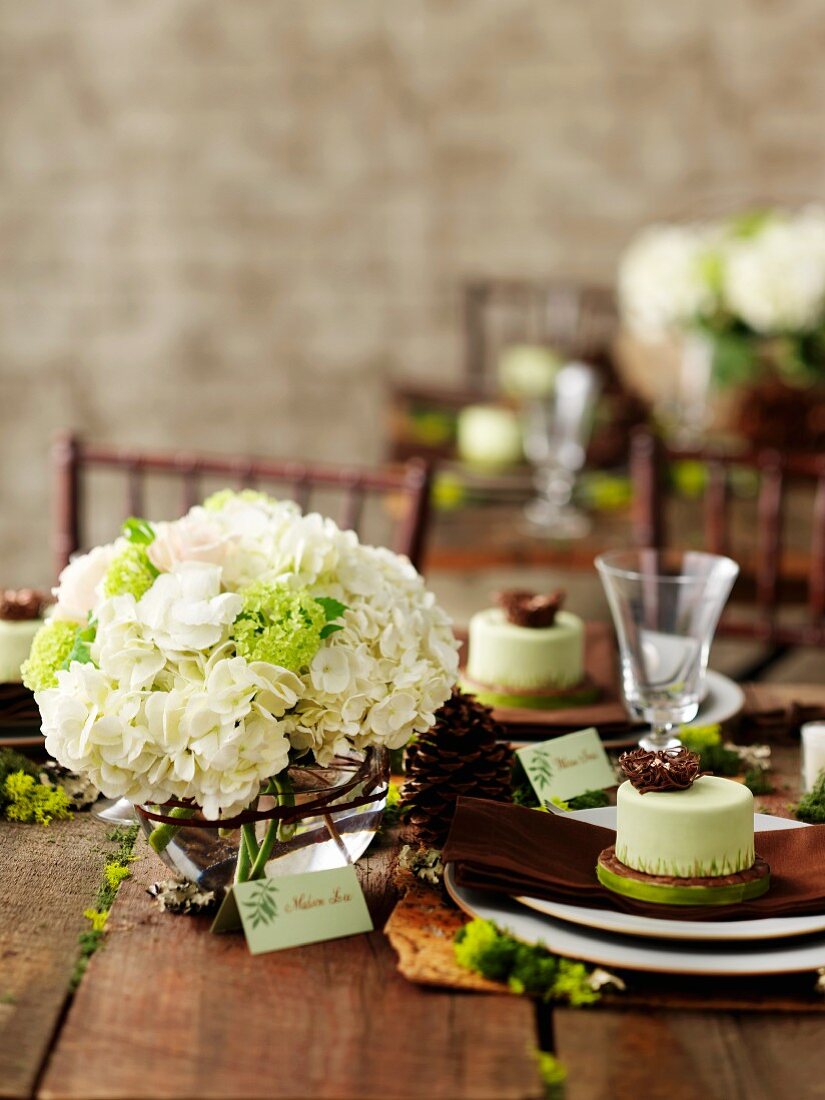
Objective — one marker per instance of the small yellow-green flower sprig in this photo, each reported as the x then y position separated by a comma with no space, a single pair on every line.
219,500
50,651
280,625
130,573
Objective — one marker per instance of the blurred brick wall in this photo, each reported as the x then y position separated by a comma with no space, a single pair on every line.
224,224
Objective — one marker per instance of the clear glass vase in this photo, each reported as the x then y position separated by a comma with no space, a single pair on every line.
326,819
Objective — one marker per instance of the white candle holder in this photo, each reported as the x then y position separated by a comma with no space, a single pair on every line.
813,753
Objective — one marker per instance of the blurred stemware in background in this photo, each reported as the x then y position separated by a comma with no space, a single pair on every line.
665,607
557,429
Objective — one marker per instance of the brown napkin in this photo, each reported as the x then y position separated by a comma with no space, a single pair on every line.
513,850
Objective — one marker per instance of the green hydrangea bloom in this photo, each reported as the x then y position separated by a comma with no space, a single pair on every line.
219,500
50,651
130,573
30,801
280,625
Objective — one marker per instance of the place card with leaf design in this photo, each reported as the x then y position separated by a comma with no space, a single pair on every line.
564,767
292,910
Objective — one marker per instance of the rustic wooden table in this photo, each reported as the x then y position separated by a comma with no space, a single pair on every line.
168,1010
487,536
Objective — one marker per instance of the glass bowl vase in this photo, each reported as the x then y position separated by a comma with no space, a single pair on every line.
327,818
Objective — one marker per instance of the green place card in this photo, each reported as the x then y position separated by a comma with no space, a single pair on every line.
295,909
566,766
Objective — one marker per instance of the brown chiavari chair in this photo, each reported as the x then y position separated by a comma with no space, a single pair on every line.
579,321
773,576
72,459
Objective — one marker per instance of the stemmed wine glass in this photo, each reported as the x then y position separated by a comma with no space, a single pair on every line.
115,811
665,607
556,433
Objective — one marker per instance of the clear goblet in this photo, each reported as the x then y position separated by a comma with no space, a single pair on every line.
556,433
665,607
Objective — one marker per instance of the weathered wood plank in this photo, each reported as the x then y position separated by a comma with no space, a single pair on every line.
169,1010
613,1055
47,878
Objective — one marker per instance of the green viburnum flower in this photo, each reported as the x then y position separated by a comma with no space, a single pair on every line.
52,645
218,501
131,573
283,626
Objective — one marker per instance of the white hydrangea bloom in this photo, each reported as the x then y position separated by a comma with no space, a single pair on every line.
79,585
167,707
774,281
663,280
185,609
196,537
121,649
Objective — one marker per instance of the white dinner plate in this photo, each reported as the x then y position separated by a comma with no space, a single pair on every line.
621,952
723,699
631,924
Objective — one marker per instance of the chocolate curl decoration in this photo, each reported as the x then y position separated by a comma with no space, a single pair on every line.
665,770
524,608
23,605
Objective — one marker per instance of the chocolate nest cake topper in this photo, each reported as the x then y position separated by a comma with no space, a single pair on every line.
23,604
665,770
532,609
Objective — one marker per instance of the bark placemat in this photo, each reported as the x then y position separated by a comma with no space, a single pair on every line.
422,926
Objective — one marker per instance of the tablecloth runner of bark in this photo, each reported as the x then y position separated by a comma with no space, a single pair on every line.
422,925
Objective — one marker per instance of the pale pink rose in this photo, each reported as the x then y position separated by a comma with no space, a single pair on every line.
196,537
78,586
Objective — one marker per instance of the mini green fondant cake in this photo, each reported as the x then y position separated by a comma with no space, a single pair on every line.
528,653
703,832
681,838
20,619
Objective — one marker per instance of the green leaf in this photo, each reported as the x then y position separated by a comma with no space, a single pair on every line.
81,651
330,628
734,361
261,904
333,609
139,531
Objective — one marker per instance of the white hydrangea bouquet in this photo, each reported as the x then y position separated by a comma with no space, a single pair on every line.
753,285
192,661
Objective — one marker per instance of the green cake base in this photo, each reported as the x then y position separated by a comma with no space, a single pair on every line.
666,890
580,695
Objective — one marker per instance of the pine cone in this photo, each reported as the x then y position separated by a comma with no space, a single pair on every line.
463,753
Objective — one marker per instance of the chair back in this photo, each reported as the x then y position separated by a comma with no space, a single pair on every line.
406,488
774,571
577,320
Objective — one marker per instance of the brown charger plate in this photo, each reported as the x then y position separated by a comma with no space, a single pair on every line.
608,715
19,718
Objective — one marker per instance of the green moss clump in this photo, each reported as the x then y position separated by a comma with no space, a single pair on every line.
590,800
115,870
553,1075
811,807
392,812
11,762
496,955
28,801
713,756
756,780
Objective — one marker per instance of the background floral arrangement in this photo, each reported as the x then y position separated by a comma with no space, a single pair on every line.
192,660
754,285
